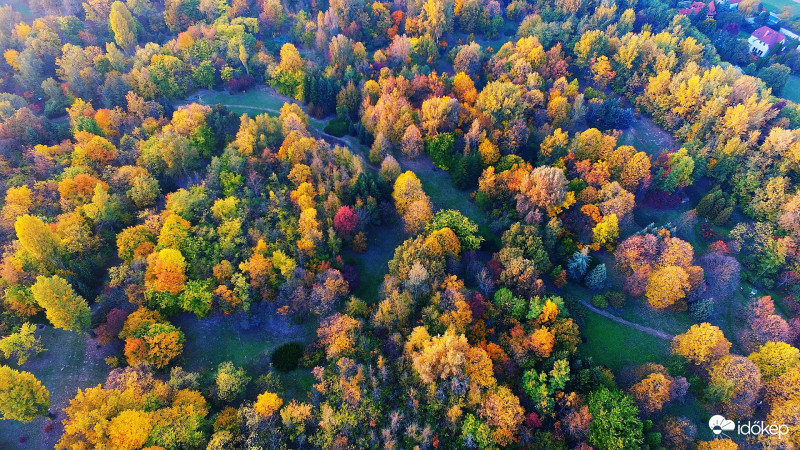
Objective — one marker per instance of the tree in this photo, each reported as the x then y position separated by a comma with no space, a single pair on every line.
462,226
775,358
545,188
501,101
268,404
615,420
439,113
123,25
63,307
148,338
596,278
338,334
345,222
775,76
19,201
701,344
468,60
21,344
722,274
166,271
735,383
22,396
230,381
440,148
38,239
502,412
130,429
666,286
289,76
411,202
135,242
121,414
652,393
411,143
606,232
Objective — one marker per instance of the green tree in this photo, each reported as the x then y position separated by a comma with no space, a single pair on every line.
615,420
231,381
21,344
440,148
462,226
775,76
22,396
203,74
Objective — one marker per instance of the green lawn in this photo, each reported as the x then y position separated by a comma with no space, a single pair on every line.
372,264
72,361
615,345
232,343
249,348
777,5
252,102
791,91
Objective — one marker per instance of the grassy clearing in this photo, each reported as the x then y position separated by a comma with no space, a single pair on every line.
252,102
249,348
647,137
71,362
372,264
792,89
615,345
233,343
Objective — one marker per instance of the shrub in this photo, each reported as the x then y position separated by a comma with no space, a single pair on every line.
337,127
701,310
596,279
616,299
600,301
287,357
440,148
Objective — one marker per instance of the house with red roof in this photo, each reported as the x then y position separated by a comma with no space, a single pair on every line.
764,39
697,7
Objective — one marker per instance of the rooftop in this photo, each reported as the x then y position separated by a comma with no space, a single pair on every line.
768,36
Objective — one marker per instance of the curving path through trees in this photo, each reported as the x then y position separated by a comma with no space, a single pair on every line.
651,331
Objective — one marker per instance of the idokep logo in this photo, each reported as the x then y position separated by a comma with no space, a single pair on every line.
720,424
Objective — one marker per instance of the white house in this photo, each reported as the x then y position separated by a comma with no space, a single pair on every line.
790,34
763,40
732,4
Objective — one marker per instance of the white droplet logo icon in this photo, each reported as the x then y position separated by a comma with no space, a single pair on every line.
718,424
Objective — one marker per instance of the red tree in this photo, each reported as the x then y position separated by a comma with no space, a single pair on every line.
345,221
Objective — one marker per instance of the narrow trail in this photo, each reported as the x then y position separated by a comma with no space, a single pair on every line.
651,331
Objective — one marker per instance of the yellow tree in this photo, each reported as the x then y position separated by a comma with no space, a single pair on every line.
130,429
602,72
21,344
123,25
166,271
701,344
267,404
718,444
666,286
19,201
62,306
22,396
37,238
606,232
775,358
652,393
